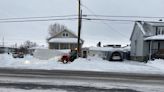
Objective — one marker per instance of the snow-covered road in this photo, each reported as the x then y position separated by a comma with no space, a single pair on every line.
89,64
58,84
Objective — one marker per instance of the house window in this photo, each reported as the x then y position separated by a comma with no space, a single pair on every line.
163,32
160,30
65,34
64,46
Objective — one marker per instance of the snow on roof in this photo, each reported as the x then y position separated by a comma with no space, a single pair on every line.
127,48
39,47
105,49
141,27
64,40
156,37
156,23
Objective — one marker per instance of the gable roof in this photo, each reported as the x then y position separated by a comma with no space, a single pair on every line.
141,23
61,32
138,23
64,40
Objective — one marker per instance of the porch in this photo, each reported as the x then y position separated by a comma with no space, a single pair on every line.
155,47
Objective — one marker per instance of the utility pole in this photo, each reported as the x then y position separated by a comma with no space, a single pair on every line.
3,42
79,28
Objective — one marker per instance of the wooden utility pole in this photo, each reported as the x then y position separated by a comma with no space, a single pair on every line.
3,42
79,28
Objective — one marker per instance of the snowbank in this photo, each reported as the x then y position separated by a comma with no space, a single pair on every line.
158,63
81,64
46,54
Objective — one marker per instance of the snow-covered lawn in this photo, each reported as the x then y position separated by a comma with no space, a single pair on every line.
158,63
89,64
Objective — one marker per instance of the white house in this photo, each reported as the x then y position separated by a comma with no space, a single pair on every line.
64,40
147,40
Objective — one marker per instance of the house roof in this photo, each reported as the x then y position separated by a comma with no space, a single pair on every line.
61,32
140,26
108,49
64,40
156,37
156,23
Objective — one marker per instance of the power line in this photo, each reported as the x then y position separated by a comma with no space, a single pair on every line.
124,16
119,20
39,17
85,15
38,20
89,18
109,26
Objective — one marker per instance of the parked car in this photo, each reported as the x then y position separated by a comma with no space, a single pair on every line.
116,56
18,55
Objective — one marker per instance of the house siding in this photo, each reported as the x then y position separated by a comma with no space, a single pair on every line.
137,44
146,49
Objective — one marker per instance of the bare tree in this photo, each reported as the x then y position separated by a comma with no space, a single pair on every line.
29,44
56,28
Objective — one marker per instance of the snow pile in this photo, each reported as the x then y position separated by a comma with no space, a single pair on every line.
81,64
46,54
97,64
158,63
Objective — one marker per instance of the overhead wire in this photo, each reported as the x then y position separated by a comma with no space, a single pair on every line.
109,26
37,20
36,17
111,16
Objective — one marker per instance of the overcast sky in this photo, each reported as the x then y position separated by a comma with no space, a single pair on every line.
92,31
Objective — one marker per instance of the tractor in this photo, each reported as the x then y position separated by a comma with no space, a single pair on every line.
69,57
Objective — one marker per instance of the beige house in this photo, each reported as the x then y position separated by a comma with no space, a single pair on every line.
64,40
